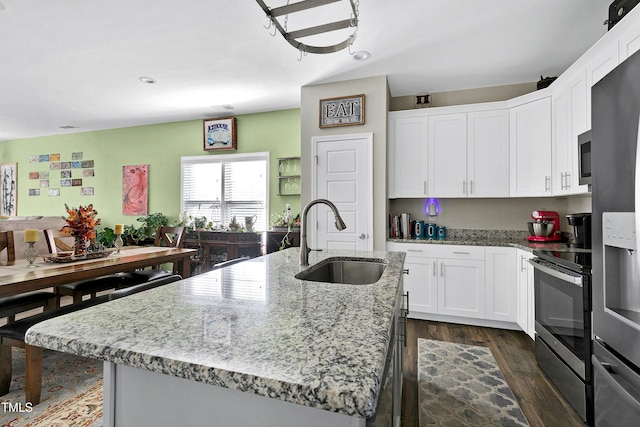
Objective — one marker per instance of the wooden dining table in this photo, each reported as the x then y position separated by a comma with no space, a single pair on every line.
18,277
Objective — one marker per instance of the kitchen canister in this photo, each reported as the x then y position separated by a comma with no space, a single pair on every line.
442,233
430,230
418,230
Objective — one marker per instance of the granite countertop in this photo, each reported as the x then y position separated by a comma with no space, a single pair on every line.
507,238
251,327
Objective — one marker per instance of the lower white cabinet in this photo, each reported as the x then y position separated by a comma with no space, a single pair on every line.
526,298
444,279
461,285
502,292
487,286
421,281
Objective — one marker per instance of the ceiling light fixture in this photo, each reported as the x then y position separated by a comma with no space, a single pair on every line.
148,80
68,127
361,55
292,36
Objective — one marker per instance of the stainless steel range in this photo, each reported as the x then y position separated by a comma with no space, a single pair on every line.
562,287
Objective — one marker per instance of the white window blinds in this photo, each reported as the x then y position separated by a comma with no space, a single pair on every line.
223,186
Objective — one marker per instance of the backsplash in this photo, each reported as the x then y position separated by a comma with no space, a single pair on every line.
482,215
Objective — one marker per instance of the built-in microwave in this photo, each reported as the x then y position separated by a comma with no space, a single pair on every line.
584,158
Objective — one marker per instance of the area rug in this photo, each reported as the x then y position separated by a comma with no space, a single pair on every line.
71,393
462,385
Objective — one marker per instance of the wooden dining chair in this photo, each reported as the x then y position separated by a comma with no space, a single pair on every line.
166,236
56,241
78,290
20,303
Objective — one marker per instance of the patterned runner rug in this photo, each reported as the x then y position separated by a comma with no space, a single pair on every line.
71,393
462,385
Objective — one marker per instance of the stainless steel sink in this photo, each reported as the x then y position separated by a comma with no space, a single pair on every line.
360,271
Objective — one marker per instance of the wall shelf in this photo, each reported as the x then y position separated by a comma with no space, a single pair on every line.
288,176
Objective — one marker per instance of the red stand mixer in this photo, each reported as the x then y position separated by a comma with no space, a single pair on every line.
545,227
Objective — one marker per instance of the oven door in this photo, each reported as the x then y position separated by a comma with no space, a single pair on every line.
562,314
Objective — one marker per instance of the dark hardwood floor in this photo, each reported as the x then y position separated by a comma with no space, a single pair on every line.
541,403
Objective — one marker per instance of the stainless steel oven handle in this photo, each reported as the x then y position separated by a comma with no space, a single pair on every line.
576,280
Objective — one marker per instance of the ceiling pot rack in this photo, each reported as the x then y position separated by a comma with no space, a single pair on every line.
293,36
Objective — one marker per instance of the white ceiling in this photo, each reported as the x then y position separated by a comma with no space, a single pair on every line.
77,62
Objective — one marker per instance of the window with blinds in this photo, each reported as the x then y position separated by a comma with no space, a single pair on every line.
223,186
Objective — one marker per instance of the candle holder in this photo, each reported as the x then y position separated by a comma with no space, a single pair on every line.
31,254
118,243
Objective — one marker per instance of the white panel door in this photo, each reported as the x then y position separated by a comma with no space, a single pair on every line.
343,174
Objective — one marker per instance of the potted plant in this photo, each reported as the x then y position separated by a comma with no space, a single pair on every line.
146,233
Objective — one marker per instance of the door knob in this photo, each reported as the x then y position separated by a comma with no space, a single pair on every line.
362,236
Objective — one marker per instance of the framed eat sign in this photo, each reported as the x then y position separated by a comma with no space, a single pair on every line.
342,111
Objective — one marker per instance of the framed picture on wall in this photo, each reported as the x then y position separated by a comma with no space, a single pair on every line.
220,134
342,111
8,189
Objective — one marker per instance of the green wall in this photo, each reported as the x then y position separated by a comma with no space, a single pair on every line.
160,146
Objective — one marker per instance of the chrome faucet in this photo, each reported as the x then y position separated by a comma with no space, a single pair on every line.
304,248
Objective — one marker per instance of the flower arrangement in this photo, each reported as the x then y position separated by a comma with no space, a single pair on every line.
81,222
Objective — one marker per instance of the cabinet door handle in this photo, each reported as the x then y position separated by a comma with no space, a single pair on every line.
442,269
568,180
435,268
471,186
425,187
462,253
464,187
414,250
547,182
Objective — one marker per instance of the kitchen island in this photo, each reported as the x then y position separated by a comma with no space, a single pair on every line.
245,345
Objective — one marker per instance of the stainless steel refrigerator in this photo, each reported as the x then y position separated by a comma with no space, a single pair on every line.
615,233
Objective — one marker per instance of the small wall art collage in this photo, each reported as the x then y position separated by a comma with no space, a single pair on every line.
54,174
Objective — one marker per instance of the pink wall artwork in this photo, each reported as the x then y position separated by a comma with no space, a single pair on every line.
135,185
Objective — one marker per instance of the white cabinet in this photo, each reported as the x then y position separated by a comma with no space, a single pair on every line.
530,149
501,284
407,155
602,58
525,297
570,119
448,155
629,43
461,285
488,153
444,279
421,281
469,154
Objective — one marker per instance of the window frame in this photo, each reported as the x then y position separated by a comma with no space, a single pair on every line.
228,158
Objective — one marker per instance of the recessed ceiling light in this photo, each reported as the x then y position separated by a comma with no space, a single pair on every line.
148,80
68,127
224,106
361,55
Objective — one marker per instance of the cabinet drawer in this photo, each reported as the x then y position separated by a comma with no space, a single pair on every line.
416,250
461,252
428,250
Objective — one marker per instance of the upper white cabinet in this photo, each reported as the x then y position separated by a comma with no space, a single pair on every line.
530,148
407,155
448,155
463,154
488,153
570,119
629,42
469,154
